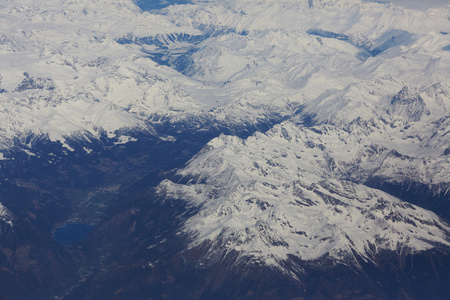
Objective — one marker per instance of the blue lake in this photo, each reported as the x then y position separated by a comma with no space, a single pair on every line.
72,233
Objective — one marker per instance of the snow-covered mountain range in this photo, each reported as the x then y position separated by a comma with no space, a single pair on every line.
337,114
113,66
298,191
286,192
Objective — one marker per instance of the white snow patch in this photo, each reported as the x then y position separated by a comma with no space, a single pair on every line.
123,139
68,147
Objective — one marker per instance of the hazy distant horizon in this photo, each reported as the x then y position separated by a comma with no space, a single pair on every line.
418,4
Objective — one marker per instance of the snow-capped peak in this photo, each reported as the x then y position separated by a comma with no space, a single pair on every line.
274,195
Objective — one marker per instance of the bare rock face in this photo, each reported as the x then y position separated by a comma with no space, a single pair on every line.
408,105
